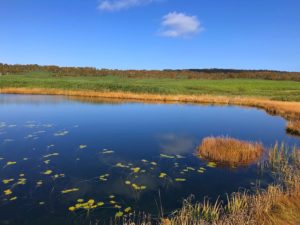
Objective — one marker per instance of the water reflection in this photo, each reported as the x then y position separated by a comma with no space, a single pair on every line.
174,144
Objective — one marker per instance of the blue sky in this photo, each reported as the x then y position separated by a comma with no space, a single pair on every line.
152,34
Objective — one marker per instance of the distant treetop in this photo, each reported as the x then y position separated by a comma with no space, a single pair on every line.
167,73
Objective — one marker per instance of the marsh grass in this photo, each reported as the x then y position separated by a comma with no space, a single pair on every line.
148,92
293,127
278,204
230,151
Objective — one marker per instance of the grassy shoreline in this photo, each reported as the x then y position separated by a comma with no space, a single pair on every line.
288,110
281,97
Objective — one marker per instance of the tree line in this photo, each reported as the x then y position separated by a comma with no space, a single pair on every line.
6,69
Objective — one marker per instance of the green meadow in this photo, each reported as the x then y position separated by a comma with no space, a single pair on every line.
272,89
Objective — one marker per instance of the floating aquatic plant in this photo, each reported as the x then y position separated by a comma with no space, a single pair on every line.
166,156
154,163
127,182
201,170
135,169
7,192
9,163
117,206
47,161
137,187
47,172
13,198
162,175
121,165
50,155
180,179
119,214
82,146
39,183
7,181
106,151
190,168
104,177
21,181
69,190
61,133
127,210
72,208
80,200
61,175
100,204
212,164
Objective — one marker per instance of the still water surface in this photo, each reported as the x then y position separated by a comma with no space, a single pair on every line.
56,152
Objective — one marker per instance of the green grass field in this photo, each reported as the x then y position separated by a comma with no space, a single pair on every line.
277,90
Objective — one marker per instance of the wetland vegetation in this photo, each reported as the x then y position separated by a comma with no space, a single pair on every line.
278,204
90,168
230,151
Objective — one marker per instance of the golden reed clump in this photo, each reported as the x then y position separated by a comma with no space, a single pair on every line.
230,151
293,127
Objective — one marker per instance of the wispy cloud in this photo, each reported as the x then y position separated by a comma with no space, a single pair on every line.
180,25
117,5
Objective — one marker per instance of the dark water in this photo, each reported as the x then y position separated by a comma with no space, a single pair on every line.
75,143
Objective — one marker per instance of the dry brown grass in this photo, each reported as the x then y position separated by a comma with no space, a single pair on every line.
279,204
289,110
269,207
293,127
230,151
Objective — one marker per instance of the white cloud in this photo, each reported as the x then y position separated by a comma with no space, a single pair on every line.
116,5
180,25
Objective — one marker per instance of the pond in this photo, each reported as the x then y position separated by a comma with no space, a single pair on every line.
72,161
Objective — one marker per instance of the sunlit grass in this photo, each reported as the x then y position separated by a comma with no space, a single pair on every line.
280,90
230,151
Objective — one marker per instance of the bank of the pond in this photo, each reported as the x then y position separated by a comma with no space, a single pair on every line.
288,110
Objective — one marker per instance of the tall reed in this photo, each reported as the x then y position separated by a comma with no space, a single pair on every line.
278,204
